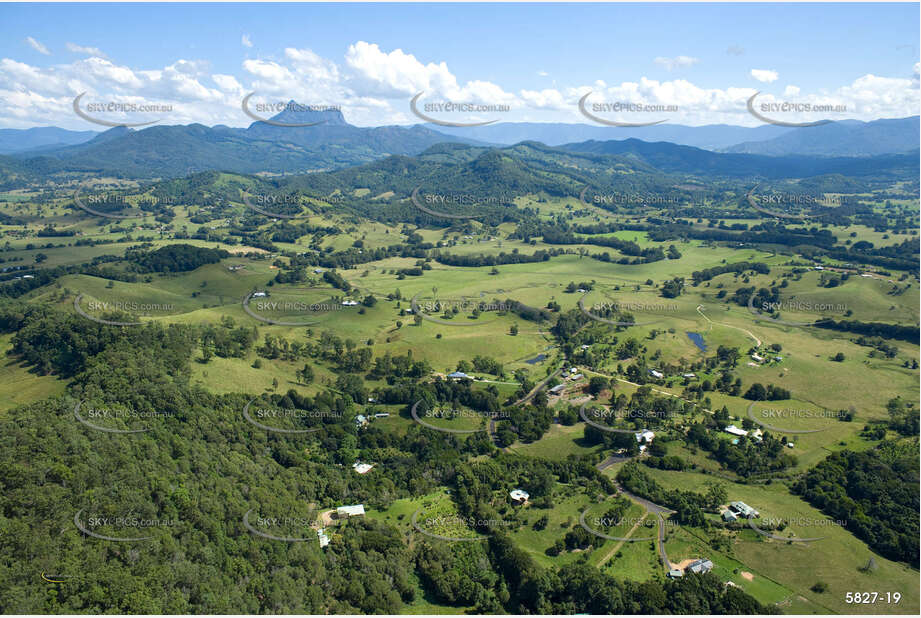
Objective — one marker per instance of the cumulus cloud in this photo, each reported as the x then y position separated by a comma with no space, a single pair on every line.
765,75
677,62
374,85
37,46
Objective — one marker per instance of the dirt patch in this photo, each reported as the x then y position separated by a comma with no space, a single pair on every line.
327,517
684,563
747,575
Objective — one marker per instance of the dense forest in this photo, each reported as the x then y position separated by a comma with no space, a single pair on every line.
875,492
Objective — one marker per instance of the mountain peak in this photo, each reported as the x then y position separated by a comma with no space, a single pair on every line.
302,114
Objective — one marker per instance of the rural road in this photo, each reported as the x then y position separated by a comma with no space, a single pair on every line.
651,507
747,332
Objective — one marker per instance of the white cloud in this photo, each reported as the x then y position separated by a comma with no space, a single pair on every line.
677,62
246,41
765,75
373,86
37,46
543,73
89,51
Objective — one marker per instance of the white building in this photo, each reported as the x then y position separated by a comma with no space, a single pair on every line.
324,540
735,431
362,468
519,496
656,374
354,510
645,436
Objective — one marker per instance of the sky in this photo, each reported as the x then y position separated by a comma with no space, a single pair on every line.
694,64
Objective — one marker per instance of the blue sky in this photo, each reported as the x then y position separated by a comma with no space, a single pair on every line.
538,59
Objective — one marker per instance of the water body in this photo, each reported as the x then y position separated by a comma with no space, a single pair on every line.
698,340
537,359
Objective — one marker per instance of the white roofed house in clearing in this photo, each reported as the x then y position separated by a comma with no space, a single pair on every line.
735,431
519,496
353,510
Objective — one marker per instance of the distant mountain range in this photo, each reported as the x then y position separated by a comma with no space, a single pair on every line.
18,140
298,141
848,138
673,158
170,151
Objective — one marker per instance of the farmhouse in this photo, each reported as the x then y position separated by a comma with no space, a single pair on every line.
324,540
676,573
556,390
735,431
656,374
688,375
459,375
259,294
361,421
519,496
740,508
728,515
354,510
645,436
758,358
578,376
700,566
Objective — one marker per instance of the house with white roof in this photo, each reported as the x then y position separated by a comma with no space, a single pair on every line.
353,510
645,436
519,496
362,468
735,431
